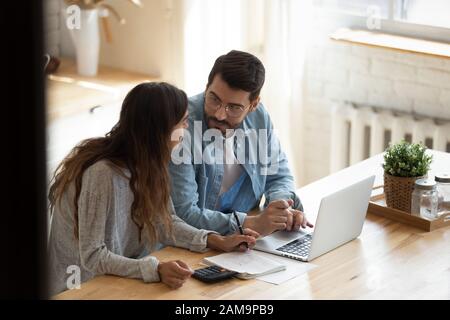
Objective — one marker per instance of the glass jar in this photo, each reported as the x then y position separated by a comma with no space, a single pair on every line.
424,199
443,190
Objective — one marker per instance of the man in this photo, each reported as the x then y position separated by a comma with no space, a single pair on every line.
215,172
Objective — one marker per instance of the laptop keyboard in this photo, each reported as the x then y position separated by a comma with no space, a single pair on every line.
298,247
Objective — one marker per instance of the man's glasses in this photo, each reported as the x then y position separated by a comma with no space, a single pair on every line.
213,103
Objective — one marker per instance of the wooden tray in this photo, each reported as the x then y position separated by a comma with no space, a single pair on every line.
377,205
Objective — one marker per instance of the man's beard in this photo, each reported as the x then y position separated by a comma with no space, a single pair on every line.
213,122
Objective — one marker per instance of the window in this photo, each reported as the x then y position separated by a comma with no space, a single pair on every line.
427,12
428,19
357,7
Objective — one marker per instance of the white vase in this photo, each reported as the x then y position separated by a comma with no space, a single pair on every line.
87,42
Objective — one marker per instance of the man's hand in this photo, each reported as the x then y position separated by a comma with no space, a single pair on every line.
174,273
298,220
275,217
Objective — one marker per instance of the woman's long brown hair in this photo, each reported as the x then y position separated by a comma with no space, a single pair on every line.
139,142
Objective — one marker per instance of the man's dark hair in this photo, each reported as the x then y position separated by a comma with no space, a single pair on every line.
240,70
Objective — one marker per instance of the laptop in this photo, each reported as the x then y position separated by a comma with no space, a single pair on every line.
340,219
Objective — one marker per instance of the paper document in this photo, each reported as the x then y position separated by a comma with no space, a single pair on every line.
294,269
248,264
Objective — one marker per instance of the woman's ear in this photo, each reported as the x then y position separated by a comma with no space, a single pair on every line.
254,104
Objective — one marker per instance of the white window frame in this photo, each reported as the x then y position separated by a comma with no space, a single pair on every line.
391,26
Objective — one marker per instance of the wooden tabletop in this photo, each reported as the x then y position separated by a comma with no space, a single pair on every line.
69,93
388,260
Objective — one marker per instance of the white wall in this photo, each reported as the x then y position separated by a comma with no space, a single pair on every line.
148,43
52,27
381,77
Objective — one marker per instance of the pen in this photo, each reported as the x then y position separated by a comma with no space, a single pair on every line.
239,226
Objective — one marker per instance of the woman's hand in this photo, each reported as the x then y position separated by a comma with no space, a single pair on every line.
234,242
174,273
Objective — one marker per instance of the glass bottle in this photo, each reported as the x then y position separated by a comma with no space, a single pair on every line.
424,199
443,190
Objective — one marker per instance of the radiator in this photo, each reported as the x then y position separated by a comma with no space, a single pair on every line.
358,132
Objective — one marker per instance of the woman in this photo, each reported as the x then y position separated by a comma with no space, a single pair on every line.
110,199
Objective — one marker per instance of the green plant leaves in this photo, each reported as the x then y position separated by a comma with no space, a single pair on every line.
405,159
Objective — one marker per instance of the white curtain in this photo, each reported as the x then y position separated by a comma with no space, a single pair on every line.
287,29
211,28
277,31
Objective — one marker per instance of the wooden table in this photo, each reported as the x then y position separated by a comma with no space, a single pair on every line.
388,260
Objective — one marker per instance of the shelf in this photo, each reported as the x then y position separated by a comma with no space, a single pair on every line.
393,42
69,93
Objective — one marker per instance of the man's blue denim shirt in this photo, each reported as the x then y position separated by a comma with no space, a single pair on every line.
196,182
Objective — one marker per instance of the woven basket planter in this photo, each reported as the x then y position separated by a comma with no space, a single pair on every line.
398,191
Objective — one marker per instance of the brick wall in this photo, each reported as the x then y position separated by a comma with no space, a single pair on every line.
337,71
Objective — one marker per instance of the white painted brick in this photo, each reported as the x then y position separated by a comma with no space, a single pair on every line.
316,128
327,73
343,93
392,70
346,60
317,124
314,71
445,98
318,72
318,105
390,101
337,47
374,52
432,62
313,74
416,91
371,84
377,76
446,64
335,75
322,128
314,87
436,78
421,60
408,58
315,55
358,64
360,50
431,109
445,112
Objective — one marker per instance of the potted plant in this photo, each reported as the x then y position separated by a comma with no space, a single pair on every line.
86,37
404,163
